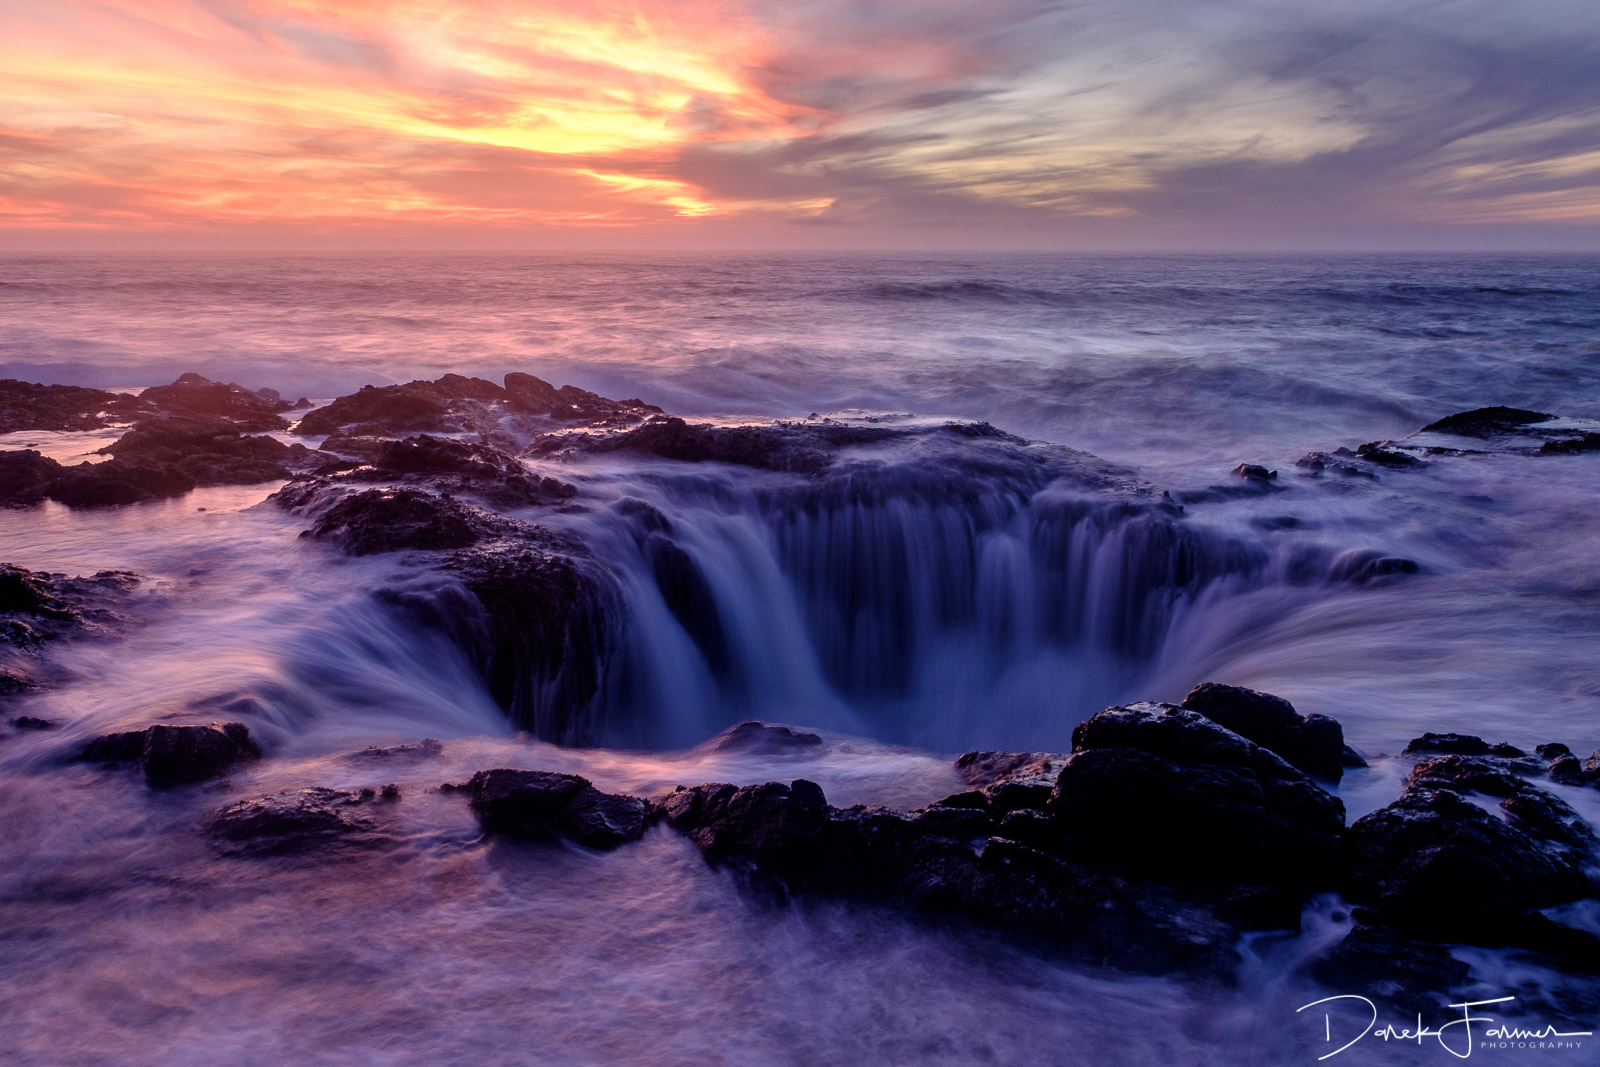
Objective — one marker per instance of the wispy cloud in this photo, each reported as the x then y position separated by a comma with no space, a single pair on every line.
175,114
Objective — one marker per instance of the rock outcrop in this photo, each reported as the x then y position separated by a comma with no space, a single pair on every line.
177,755
300,820
546,804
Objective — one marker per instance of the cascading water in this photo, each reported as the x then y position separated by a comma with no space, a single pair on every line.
919,604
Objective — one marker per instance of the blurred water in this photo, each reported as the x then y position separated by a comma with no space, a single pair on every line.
124,941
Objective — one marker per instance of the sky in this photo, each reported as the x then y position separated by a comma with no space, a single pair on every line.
1137,124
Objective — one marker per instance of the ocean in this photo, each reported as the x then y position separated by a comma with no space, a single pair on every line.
127,942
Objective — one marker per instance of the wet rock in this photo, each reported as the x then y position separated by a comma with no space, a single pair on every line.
211,450
30,722
1553,750
1253,472
28,406
1487,422
803,448
1435,863
1010,781
1570,446
192,394
1319,463
1568,770
1454,744
425,749
1313,743
39,606
454,404
1387,966
767,739
297,821
25,477
177,755
394,520
1466,773
538,804
927,861
463,467
1375,452
1165,793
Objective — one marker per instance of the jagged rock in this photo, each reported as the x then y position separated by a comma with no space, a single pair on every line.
297,820
1434,863
766,739
1254,472
30,722
453,403
176,755
393,520
804,448
28,406
1468,773
1570,446
1010,781
425,749
192,394
1553,750
1375,452
1313,743
1162,792
211,450
535,804
1486,422
789,831
1320,462
531,611
1568,770
38,606
449,466
1385,965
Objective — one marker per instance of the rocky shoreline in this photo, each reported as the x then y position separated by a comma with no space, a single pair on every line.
1165,835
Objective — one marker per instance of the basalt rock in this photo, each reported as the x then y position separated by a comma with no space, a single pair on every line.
451,467
530,610
804,448
1011,781
38,606
454,404
28,406
1313,743
177,755
930,864
211,450
1487,422
1387,966
1162,792
1435,863
395,520
541,804
192,394
767,739
299,820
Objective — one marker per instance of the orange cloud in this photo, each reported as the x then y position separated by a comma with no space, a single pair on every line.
171,111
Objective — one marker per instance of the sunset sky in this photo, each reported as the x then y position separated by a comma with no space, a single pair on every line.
749,123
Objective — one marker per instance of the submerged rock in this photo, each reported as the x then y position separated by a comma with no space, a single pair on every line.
803,448
296,821
1385,965
539,804
177,755
39,606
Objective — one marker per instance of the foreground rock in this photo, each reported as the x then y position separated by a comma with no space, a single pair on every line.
531,610
27,406
1312,743
177,755
456,404
544,804
1436,863
300,820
